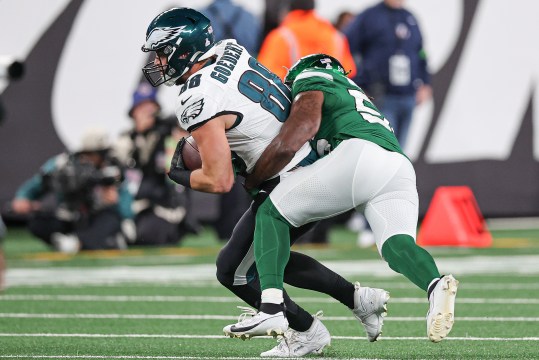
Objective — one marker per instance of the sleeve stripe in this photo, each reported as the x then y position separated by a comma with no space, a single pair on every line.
309,74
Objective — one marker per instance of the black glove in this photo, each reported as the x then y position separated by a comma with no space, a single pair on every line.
178,173
177,159
260,194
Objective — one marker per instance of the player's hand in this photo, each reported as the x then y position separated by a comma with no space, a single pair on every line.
177,159
24,206
258,199
178,172
249,186
261,193
423,94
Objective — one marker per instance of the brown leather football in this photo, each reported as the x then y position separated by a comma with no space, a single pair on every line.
190,154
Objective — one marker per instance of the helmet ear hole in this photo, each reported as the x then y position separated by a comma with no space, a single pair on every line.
183,56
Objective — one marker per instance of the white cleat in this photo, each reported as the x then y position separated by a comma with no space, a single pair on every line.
296,344
252,323
370,307
66,243
441,315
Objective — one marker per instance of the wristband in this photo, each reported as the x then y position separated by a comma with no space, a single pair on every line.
182,177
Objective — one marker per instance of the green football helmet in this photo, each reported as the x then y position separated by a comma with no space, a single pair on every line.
184,36
318,61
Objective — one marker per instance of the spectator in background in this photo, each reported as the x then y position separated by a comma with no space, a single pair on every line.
392,69
392,62
159,204
343,19
274,13
77,201
231,21
303,32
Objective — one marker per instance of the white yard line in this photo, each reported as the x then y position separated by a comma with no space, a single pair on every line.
229,317
142,357
466,265
145,357
231,299
182,336
215,284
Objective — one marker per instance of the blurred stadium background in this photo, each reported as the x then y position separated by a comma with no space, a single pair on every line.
82,61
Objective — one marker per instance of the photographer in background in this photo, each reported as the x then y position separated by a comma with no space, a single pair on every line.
77,200
159,204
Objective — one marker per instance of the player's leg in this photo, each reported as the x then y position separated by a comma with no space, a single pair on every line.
392,214
321,190
235,271
271,319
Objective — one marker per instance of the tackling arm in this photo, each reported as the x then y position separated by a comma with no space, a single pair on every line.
300,126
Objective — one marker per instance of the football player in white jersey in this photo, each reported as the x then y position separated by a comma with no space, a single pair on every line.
234,107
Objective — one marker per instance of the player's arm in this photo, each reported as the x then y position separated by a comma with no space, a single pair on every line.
300,126
216,174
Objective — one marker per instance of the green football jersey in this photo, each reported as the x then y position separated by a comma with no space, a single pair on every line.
346,112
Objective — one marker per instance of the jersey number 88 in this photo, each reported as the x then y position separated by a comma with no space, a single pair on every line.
265,88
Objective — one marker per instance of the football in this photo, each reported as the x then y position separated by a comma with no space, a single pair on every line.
190,154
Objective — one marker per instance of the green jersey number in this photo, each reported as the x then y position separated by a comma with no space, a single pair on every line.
265,88
367,110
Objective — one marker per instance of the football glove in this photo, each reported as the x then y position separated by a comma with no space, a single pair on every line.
178,173
260,194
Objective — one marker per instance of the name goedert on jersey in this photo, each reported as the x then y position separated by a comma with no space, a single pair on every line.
227,62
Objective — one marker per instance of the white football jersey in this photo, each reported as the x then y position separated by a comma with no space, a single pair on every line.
237,84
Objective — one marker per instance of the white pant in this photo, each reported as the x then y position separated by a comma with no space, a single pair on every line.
357,174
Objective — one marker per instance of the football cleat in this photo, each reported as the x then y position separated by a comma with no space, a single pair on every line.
295,343
252,323
370,307
441,315
66,243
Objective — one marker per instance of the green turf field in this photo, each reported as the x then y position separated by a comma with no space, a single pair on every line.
166,304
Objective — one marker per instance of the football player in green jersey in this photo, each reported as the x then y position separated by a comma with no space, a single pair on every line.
362,168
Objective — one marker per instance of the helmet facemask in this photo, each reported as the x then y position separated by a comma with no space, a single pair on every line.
157,72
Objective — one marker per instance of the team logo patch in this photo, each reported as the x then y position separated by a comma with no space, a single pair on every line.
192,111
159,36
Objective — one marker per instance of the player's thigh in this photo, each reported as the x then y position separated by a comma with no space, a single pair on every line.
395,209
321,190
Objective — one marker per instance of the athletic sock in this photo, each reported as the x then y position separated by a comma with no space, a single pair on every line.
271,245
271,309
305,272
298,319
273,296
404,256
432,285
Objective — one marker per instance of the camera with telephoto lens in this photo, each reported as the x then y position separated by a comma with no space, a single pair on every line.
77,179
